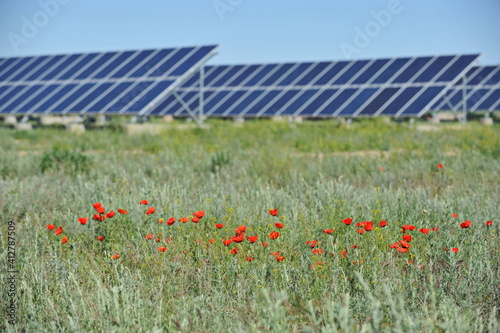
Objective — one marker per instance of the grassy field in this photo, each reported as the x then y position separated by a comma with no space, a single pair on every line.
316,174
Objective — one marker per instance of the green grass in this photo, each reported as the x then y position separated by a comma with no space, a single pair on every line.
315,173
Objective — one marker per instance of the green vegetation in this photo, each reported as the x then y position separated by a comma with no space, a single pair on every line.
314,173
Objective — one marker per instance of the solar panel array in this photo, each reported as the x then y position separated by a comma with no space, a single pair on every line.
127,82
396,87
482,91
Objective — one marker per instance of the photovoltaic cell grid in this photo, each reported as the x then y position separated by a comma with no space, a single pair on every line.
482,91
396,87
126,82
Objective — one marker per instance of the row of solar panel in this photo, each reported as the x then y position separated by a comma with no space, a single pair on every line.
113,82
395,87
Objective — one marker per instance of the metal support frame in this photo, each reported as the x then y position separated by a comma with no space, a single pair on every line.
198,118
202,88
464,99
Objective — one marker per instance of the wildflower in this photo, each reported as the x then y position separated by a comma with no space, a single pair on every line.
278,225
168,240
219,225
424,230
312,243
100,210
183,219
64,240
50,226
273,212
149,236
234,250
122,211
454,249
318,251
59,231
434,229
241,228
368,226
407,238
110,214
347,221
405,244
195,219
171,221
199,214
83,220
252,239
100,238
354,247
382,224
439,166
211,240
361,231
116,256
227,242
264,244
454,215
150,211
465,224
144,202
250,258
328,231
158,239
407,227
343,254
97,205
274,234
161,220
162,249
280,258
98,217
488,223
238,239
402,249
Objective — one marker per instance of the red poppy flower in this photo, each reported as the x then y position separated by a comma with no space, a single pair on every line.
382,224
162,249
424,230
195,219
183,219
454,215
347,221
149,236
150,211
439,166
97,205
280,258
101,210
361,231
83,220
405,244
273,212
368,226
241,228
318,251
64,240
312,243
407,227
144,202
328,231
250,258
343,254
116,256
219,225
161,220
434,229
158,239
211,240
274,234
227,242
234,250
360,224
59,231
238,239
407,238
171,221
168,240
98,217
199,214
100,238
488,223
110,214
50,226
402,249
278,225
252,239
454,249
465,224
122,211
354,247
264,244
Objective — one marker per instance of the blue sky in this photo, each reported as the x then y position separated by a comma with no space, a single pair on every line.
255,31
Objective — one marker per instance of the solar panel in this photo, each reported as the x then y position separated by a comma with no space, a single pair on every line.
398,87
481,86
125,82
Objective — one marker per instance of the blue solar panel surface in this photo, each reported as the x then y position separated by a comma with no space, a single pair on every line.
126,82
482,91
396,87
